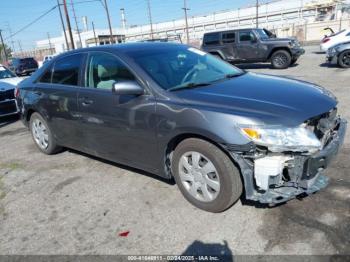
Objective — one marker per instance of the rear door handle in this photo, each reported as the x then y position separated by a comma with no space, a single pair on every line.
86,102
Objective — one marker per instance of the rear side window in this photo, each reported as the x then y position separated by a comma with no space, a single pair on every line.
211,39
66,70
228,37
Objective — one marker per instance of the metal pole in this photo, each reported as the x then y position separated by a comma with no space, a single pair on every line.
63,27
186,9
76,23
68,24
93,29
257,13
20,47
3,45
50,46
109,22
150,17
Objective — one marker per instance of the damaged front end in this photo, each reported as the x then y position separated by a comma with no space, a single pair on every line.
273,174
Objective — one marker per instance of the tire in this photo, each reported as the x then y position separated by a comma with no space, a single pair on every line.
344,59
281,59
293,61
39,128
226,175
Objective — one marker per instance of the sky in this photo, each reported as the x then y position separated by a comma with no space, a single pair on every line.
15,14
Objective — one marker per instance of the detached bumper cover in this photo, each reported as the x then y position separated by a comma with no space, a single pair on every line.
308,172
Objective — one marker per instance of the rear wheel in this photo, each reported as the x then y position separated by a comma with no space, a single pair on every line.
281,59
42,135
205,175
344,59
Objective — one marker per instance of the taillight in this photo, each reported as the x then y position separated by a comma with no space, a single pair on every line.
16,92
326,40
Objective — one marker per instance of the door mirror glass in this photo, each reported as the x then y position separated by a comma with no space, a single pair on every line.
127,88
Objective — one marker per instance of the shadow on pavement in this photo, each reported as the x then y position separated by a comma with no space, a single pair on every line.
198,248
7,120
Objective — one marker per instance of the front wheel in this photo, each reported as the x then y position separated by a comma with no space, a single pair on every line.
205,175
42,135
281,59
344,59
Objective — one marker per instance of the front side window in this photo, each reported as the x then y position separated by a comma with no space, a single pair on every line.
174,67
211,39
66,70
105,69
246,36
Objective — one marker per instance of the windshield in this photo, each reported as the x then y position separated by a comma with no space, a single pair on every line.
175,67
262,34
5,73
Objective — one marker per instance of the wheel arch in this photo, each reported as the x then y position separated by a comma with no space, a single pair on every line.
176,140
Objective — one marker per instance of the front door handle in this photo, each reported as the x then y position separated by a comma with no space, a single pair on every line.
86,102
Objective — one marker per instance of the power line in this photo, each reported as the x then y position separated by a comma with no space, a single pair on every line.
31,23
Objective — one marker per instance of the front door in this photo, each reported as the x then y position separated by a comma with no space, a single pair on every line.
120,128
248,46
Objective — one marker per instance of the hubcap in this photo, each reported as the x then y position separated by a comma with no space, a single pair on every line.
199,176
40,134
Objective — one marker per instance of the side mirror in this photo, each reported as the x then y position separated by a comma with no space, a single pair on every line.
127,88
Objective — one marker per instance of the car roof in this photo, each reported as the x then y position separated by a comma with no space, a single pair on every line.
230,30
123,47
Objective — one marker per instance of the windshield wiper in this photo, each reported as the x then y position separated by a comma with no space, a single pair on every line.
188,86
234,75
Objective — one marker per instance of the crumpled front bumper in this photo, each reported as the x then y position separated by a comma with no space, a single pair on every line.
305,172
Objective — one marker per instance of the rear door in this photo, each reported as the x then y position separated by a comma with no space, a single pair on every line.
229,45
57,92
120,128
248,46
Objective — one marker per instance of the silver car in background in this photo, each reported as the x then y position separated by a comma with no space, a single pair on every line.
340,55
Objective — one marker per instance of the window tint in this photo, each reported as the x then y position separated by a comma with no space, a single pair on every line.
212,39
105,69
66,70
46,77
246,36
228,37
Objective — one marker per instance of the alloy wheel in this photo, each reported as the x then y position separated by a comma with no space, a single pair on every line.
40,134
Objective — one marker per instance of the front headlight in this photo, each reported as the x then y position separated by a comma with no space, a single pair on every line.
296,139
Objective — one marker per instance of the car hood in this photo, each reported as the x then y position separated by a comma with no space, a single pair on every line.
9,83
262,99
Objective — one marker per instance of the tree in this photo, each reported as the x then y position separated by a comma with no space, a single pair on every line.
2,54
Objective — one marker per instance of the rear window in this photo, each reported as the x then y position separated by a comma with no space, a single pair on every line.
66,70
211,39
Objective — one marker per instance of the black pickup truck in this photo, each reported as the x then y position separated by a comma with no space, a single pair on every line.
251,46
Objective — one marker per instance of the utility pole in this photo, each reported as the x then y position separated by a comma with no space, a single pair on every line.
257,14
76,23
150,17
20,47
63,27
68,23
50,46
109,21
3,46
186,20
93,29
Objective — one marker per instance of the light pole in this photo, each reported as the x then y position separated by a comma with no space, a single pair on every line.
63,27
257,14
150,17
186,21
68,24
109,21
